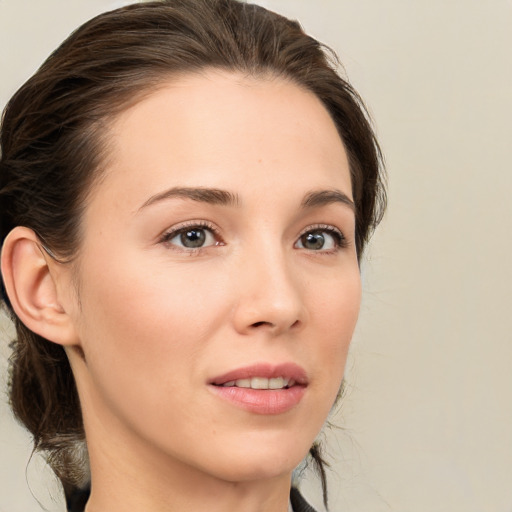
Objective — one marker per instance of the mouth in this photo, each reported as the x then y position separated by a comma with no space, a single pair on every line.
262,388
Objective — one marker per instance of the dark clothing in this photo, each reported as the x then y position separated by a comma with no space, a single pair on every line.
76,501
299,504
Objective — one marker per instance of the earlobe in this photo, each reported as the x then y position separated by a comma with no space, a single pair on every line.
29,276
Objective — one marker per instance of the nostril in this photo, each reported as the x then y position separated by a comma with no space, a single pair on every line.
270,325
295,324
259,324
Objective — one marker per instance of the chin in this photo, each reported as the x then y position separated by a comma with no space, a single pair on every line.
261,461
251,471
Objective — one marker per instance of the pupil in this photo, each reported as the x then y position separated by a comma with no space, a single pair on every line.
193,238
313,241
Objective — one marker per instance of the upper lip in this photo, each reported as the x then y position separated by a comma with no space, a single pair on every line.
290,371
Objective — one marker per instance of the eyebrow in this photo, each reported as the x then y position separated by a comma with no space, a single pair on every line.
324,197
200,194
221,197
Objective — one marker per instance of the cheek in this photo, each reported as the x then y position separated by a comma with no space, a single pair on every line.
136,297
335,306
335,316
145,332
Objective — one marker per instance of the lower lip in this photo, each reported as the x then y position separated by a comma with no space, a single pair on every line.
261,401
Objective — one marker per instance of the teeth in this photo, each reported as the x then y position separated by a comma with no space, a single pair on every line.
276,383
243,383
261,383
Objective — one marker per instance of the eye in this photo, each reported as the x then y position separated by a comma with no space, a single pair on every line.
325,238
194,236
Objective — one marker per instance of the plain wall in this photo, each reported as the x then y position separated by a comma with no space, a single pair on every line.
426,425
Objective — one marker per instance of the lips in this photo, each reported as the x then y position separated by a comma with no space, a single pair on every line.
262,388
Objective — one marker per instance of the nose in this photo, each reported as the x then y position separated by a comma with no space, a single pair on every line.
269,295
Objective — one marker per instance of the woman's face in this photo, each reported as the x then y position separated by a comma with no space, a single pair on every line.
218,257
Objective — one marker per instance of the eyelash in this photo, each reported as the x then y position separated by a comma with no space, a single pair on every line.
339,238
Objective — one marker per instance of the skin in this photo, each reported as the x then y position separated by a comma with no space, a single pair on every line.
152,321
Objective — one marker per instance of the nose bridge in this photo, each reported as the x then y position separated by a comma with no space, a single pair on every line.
269,292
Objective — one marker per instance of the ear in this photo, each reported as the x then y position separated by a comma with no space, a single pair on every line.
30,277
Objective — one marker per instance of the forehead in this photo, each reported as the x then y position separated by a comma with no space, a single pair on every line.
224,130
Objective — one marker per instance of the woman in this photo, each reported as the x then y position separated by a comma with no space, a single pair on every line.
187,187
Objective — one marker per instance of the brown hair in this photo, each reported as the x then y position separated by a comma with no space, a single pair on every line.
53,146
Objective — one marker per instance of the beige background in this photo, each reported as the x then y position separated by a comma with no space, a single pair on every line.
427,423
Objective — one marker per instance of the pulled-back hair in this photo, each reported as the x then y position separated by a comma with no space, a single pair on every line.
53,148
